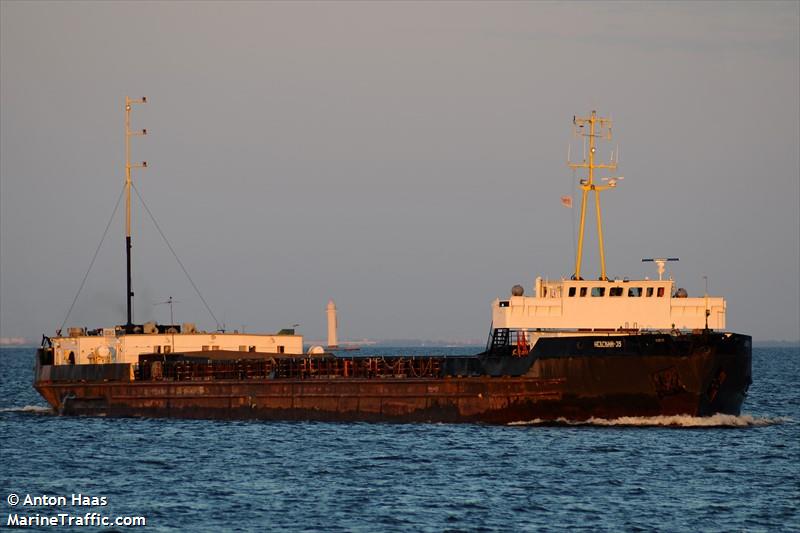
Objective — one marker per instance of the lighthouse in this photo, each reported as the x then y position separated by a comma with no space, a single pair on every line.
331,309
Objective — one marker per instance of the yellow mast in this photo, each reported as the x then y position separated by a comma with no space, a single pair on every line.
598,127
129,102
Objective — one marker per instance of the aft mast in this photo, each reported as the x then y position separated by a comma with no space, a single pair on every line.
129,102
597,127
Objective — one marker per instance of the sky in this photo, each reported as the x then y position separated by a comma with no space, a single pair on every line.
403,158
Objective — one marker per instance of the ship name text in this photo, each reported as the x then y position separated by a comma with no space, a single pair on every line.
608,344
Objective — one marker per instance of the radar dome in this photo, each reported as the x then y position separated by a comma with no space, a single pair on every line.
517,290
316,350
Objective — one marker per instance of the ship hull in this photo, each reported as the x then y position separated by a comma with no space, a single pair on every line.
698,375
570,379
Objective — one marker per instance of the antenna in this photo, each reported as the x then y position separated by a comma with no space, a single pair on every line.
598,127
660,263
129,103
705,300
169,302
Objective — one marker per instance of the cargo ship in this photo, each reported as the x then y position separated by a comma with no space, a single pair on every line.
574,349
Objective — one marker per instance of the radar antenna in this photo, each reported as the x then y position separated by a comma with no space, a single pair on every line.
169,301
660,264
597,128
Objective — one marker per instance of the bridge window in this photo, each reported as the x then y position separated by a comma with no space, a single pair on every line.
571,292
615,291
660,292
649,292
634,292
205,347
583,291
598,292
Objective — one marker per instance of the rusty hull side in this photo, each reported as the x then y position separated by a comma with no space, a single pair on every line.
479,399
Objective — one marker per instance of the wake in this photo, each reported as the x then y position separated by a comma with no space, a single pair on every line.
678,421
36,409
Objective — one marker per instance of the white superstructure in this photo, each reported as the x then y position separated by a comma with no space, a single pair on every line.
607,305
115,346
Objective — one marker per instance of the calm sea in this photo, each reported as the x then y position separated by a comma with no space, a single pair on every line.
680,474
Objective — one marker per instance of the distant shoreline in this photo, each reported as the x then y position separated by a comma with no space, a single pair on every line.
776,344
13,341
12,346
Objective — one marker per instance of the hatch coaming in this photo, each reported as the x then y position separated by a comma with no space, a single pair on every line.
618,304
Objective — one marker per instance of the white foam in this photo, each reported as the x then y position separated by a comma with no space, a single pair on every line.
718,420
27,409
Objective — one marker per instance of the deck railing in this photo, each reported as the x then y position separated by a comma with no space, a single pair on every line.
290,368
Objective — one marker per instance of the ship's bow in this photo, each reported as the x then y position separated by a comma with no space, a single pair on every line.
730,377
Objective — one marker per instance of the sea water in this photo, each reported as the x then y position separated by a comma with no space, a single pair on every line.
722,473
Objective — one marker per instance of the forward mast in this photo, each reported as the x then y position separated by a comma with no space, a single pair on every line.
597,127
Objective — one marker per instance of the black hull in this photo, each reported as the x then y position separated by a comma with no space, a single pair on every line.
576,378
649,375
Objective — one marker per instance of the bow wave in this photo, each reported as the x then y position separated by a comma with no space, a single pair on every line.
718,420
